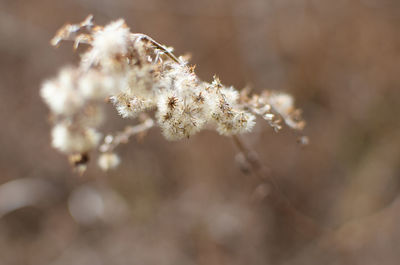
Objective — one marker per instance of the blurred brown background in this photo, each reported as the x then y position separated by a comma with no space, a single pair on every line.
187,202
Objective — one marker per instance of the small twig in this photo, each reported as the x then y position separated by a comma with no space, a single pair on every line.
111,142
159,46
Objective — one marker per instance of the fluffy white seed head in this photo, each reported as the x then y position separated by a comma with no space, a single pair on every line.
130,107
96,86
241,122
141,81
68,140
108,161
181,113
61,95
111,40
281,102
231,95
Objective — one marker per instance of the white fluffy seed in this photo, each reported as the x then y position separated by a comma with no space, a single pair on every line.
69,141
108,161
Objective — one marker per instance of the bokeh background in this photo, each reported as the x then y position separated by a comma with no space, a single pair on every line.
188,202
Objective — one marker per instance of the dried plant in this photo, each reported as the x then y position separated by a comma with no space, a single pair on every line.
145,80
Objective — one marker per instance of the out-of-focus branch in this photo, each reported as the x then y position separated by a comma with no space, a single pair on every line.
277,199
111,142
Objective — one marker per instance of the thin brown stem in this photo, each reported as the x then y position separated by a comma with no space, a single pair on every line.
277,199
159,46
111,142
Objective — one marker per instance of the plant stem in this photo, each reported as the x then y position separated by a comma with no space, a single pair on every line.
159,46
278,200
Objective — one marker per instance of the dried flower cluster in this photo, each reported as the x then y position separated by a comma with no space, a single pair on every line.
138,75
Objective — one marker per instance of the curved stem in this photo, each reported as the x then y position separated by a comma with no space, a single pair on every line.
159,46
